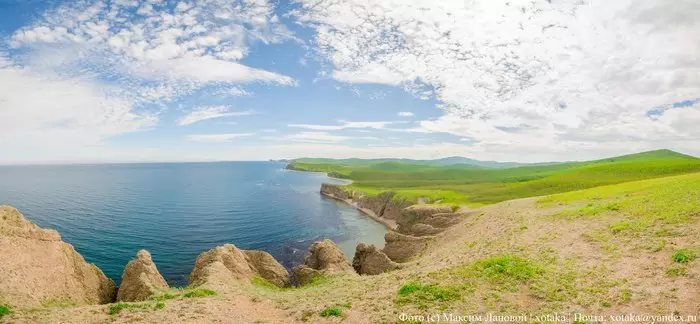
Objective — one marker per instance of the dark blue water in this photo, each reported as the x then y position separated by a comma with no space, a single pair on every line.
178,210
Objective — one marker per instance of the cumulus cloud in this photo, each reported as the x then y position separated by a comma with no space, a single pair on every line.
206,113
216,137
85,71
554,73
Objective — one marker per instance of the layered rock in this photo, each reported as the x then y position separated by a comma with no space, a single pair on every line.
376,204
369,260
36,266
394,208
400,248
421,220
335,191
141,279
225,263
324,258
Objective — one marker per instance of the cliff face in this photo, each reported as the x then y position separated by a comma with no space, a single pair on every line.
36,266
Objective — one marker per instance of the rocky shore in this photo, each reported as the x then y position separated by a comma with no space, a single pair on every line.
37,268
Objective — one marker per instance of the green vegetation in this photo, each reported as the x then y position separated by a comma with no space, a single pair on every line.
684,256
118,307
467,184
199,292
424,295
507,269
332,311
670,200
4,310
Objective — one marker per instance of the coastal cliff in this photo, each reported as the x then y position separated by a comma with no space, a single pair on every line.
37,267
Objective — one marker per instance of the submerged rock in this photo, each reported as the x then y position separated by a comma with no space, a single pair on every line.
36,266
369,260
141,279
324,258
223,264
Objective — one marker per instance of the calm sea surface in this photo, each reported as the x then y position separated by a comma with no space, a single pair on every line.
178,210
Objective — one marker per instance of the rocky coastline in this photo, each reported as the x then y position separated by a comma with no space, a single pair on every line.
37,266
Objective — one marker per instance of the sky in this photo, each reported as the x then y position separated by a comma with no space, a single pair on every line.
212,80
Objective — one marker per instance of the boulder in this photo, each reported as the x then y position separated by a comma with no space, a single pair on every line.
141,279
36,266
324,258
223,264
303,275
400,248
268,268
369,260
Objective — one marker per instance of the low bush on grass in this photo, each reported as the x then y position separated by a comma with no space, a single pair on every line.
4,310
509,270
332,311
684,256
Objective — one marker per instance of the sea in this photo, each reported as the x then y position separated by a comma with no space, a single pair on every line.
178,210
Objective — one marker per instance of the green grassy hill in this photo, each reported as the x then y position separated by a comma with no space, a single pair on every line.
471,185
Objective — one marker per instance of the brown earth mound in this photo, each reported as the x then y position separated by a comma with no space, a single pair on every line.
141,279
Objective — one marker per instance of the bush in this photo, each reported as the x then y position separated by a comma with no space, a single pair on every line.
683,256
4,310
332,311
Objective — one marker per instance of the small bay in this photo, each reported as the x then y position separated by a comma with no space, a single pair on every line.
178,210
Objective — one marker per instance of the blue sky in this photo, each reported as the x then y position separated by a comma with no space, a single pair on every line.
201,80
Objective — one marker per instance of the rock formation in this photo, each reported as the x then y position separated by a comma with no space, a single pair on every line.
224,263
324,258
400,248
369,260
141,279
422,220
36,266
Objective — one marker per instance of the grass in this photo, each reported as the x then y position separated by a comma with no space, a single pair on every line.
476,186
199,292
5,310
118,307
424,296
507,269
669,200
684,256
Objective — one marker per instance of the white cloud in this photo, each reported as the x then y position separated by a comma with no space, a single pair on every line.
346,125
317,137
529,75
41,111
405,114
216,137
206,113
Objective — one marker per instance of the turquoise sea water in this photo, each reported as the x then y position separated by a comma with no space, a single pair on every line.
178,210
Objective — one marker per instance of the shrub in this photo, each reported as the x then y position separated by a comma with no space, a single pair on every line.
683,256
332,311
4,310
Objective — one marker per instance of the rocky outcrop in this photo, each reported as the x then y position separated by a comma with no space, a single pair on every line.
400,248
335,191
324,258
422,220
225,263
369,260
375,203
395,207
36,266
141,279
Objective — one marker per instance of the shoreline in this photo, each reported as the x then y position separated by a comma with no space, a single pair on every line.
389,224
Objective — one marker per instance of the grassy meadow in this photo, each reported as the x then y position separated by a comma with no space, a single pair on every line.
476,185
